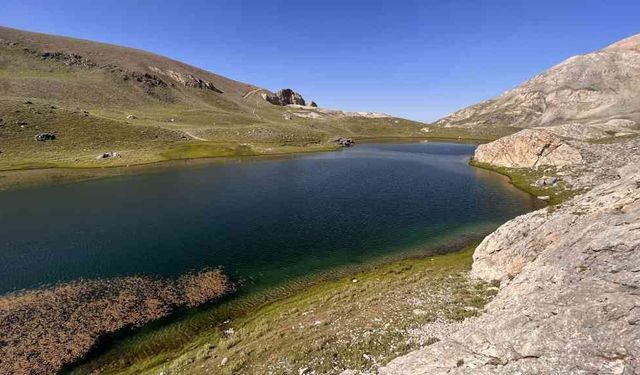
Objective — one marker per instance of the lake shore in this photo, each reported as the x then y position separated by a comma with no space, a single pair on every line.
143,361
35,175
284,322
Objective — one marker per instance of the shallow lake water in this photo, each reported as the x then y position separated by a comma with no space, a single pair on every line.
265,221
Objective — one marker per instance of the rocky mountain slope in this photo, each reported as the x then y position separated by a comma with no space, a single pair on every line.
568,301
97,98
589,96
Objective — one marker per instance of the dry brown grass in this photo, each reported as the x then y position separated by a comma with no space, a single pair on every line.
44,329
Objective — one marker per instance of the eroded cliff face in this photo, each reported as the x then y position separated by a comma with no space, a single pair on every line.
568,300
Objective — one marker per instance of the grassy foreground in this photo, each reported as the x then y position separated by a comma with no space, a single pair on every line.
356,322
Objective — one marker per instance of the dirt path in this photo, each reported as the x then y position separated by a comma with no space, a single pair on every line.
251,93
194,136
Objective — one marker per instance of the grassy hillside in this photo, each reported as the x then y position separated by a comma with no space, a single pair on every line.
97,98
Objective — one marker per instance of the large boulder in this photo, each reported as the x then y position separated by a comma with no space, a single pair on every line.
288,96
528,148
285,97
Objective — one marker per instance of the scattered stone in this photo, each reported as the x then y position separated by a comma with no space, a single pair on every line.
317,323
286,116
313,104
108,155
544,198
354,280
131,117
43,137
68,59
344,142
229,332
546,181
304,371
224,361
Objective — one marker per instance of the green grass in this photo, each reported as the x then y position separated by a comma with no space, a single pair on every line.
205,150
327,326
524,178
344,324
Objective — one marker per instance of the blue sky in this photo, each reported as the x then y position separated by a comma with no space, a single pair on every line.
417,59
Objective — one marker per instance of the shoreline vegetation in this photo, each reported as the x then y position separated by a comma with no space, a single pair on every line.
156,305
44,330
524,179
241,344
320,322
187,155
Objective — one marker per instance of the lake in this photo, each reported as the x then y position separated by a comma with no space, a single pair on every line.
264,221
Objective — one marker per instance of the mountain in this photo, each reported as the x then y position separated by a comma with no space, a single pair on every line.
72,102
567,274
588,96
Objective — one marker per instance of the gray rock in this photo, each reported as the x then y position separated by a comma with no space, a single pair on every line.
530,148
108,155
344,142
546,181
284,97
43,137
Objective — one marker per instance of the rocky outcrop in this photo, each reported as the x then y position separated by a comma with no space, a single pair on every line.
288,96
188,80
285,97
70,59
344,142
568,300
529,149
588,90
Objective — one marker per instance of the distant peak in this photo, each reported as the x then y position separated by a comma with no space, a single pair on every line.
632,43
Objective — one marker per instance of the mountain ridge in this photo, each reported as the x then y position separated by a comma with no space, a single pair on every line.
598,91
103,99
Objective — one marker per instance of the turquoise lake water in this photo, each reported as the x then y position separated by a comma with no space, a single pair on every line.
265,222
